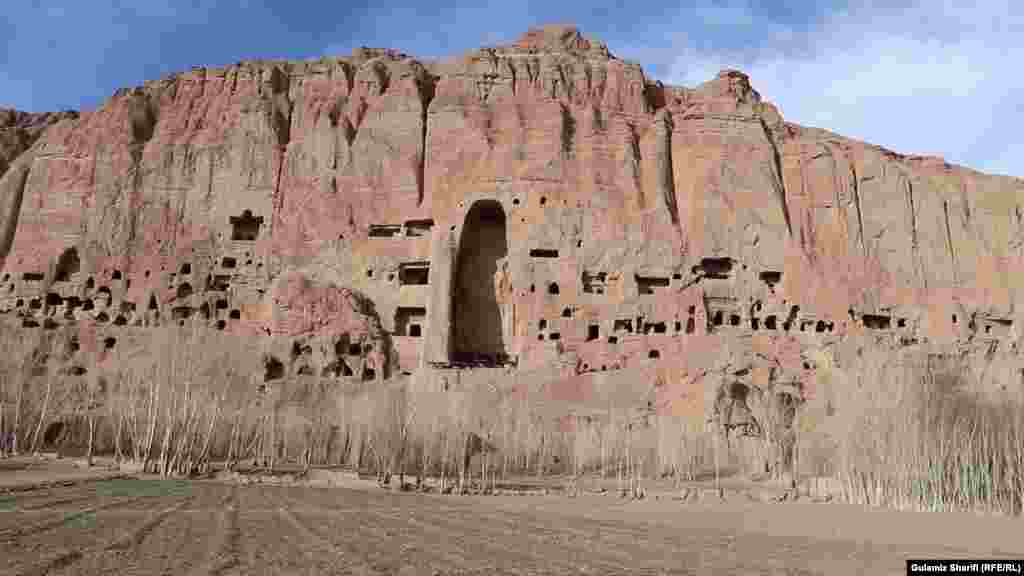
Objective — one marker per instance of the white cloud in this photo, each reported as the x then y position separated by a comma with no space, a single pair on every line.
921,80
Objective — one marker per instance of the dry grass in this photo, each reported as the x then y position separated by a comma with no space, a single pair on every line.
901,431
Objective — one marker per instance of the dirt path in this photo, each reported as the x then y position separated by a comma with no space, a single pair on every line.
203,528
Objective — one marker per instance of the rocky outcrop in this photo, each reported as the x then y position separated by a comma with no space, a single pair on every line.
541,205
19,130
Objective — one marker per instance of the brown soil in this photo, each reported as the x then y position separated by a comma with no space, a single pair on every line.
151,526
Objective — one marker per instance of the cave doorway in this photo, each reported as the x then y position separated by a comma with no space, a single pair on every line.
476,313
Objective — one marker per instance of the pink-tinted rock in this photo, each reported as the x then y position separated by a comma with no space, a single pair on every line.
643,231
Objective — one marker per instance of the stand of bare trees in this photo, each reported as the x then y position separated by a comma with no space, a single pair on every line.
897,432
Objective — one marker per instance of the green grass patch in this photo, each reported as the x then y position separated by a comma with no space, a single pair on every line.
8,503
83,520
130,487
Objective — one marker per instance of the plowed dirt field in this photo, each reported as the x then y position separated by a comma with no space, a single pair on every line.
129,527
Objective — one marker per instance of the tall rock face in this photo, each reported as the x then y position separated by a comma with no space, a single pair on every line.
541,204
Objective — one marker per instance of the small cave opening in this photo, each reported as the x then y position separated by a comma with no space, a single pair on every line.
228,262
409,321
369,374
67,264
691,326
53,299
116,275
656,327
594,282
109,342
654,354
186,268
554,336
417,228
770,322
876,321
553,288
734,320
567,312
235,314
593,332
770,277
384,231
716,268
718,318
273,369
613,339
542,324
625,325
245,228
32,277
221,324
152,302
414,274
543,253
820,326
649,284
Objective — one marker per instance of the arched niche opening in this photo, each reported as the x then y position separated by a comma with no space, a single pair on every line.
476,314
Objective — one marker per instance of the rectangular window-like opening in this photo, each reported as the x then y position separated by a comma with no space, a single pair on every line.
408,321
32,276
416,228
648,284
245,228
876,321
543,253
414,274
593,332
718,268
770,277
228,262
385,230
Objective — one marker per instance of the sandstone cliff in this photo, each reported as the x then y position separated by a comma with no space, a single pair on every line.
541,205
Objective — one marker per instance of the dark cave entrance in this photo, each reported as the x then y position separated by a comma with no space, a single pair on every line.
476,314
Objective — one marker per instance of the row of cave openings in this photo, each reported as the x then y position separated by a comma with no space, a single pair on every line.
347,352
244,228
476,333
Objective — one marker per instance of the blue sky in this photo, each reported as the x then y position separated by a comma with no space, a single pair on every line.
918,76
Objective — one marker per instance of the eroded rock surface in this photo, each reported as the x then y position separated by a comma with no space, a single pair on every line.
540,210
